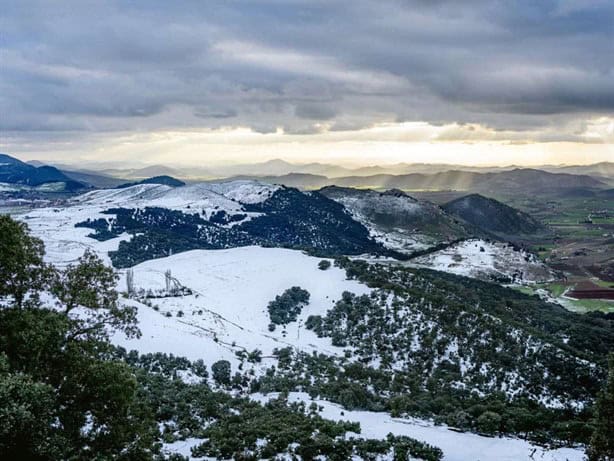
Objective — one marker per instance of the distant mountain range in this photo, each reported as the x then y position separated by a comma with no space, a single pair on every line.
513,181
278,167
583,180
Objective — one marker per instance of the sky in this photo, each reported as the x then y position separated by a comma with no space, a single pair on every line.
355,82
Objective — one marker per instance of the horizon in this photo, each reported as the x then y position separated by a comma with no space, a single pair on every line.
112,165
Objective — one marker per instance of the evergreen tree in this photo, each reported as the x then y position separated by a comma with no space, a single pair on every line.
22,271
221,371
602,443
61,394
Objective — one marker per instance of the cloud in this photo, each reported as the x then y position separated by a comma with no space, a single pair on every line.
526,71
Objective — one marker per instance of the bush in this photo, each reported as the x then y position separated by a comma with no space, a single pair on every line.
323,265
221,371
489,422
286,307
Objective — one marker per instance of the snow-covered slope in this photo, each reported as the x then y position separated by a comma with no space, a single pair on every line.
455,446
486,260
195,198
397,220
244,191
227,311
65,243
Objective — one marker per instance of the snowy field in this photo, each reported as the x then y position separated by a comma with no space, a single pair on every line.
227,311
456,446
486,260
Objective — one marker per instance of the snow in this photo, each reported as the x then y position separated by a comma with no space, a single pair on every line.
183,447
244,191
371,200
456,446
65,243
366,204
232,288
481,259
194,198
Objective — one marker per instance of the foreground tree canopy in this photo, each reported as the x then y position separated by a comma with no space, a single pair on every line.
61,396
602,443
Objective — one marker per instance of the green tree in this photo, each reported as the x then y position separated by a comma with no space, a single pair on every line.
601,447
221,371
489,422
22,271
26,412
62,396
89,286
324,264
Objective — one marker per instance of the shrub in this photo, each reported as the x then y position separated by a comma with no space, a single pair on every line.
323,265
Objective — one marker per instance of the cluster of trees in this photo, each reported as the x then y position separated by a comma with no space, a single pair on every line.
474,355
601,446
233,427
285,308
324,264
61,395
265,432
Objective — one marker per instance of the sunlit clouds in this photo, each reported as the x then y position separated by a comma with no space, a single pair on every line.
358,83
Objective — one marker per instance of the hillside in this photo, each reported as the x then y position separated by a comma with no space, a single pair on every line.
13,171
164,180
94,179
148,221
487,260
395,343
398,220
494,216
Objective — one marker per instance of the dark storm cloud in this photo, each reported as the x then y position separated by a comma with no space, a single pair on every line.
106,66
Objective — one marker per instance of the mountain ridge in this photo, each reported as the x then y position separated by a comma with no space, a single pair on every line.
14,171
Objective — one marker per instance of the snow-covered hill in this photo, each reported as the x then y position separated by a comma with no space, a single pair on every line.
203,198
227,311
397,220
222,311
148,221
485,260
65,243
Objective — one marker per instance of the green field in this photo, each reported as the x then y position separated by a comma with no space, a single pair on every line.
587,305
575,305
